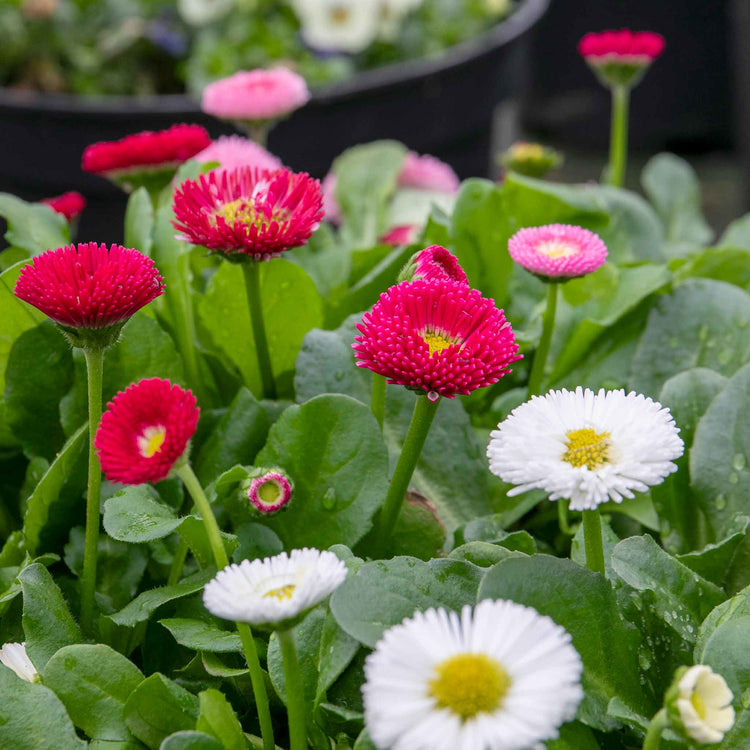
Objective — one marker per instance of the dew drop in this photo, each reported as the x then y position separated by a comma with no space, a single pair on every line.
329,499
739,461
720,502
733,478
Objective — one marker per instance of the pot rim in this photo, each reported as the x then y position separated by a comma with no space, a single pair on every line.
369,81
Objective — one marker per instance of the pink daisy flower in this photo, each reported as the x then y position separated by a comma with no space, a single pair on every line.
428,173
619,58
145,431
433,263
441,337
405,234
235,151
70,204
557,252
269,491
248,211
89,286
331,208
255,95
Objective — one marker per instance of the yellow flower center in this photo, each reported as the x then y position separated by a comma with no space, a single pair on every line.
339,14
151,441
239,211
698,704
269,492
523,151
437,341
469,684
557,249
587,447
285,592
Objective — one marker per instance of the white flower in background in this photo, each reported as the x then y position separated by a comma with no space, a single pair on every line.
497,7
201,12
585,447
276,591
392,13
338,25
500,677
14,656
699,704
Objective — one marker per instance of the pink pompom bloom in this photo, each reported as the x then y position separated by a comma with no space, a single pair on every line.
248,211
89,286
405,234
70,204
441,337
145,431
619,58
428,173
232,151
255,95
433,263
269,491
331,207
557,252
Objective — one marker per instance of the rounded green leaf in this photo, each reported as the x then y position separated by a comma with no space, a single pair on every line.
136,515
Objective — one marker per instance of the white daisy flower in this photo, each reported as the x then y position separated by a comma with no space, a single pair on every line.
700,705
202,12
338,25
585,447
500,677
276,591
14,656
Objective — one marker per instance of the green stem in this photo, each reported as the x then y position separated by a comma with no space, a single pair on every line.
657,725
378,398
540,356
295,698
94,369
424,413
186,473
618,141
251,270
592,537
178,562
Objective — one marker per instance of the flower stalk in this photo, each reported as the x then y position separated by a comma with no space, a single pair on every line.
592,537
251,271
618,143
295,698
655,728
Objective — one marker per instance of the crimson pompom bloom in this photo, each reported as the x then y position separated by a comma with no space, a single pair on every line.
70,204
404,234
557,252
89,286
145,431
619,58
439,336
433,263
248,211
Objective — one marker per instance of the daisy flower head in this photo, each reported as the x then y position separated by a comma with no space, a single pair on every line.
70,204
258,95
620,58
557,252
434,262
276,592
401,235
90,290
331,207
498,677
232,151
347,26
14,656
427,172
268,490
585,447
248,212
531,159
145,431
436,337
699,705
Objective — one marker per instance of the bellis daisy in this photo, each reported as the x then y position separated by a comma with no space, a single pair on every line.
89,286
14,656
699,705
275,592
338,25
145,431
269,490
585,447
248,211
498,677
402,235
434,262
531,159
70,204
440,337
557,252
232,151
427,172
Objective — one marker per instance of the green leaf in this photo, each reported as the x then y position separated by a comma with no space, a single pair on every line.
382,593
715,560
719,471
333,450
483,554
190,740
139,221
236,438
737,234
730,264
736,608
574,736
193,531
584,604
94,682
419,532
157,708
32,717
225,315
217,718
674,191
135,514
47,623
678,338
33,226
202,636
682,597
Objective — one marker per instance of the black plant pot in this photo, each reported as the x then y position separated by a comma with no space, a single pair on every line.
442,106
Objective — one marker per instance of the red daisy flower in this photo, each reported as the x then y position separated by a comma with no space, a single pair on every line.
404,234
433,263
438,336
70,204
145,430
620,58
248,211
269,491
89,286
